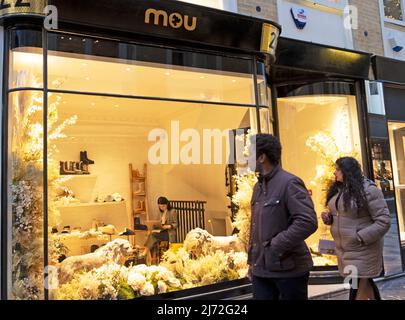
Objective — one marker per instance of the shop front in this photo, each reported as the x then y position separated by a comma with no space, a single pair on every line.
130,101
389,118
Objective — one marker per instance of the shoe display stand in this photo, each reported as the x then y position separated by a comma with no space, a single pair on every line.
139,201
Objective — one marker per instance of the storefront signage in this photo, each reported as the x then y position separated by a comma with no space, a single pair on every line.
299,16
17,7
175,20
169,21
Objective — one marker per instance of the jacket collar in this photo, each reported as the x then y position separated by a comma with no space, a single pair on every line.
270,175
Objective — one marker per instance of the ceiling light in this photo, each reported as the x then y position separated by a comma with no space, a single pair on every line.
233,80
116,106
93,104
128,69
202,77
167,73
87,78
84,64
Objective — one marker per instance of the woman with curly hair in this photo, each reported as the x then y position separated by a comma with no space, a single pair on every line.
359,218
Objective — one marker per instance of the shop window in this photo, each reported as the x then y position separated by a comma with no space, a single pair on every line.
393,9
396,173
315,130
116,143
25,57
94,208
25,191
142,71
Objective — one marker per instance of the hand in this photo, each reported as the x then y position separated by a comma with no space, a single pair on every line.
326,218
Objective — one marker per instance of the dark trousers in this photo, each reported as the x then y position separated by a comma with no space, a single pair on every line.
280,288
155,238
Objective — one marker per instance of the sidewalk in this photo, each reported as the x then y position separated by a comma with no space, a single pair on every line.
392,288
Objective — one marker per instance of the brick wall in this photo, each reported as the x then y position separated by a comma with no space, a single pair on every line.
370,22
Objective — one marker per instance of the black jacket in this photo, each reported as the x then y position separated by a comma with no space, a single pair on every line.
283,216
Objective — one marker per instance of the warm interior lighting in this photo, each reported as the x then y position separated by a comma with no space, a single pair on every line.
72,71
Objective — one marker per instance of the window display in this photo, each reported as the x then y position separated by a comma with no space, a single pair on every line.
386,174
315,130
112,152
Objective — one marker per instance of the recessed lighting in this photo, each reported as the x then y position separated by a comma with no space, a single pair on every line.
63,38
84,40
167,73
128,69
116,106
93,104
84,64
202,77
233,80
87,78
70,38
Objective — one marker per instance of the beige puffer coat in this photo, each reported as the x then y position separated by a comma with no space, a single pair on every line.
369,225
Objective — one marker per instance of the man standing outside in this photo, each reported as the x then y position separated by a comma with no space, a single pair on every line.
283,217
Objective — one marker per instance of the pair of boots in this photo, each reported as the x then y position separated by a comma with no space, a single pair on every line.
141,190
84,158
141,206
137,175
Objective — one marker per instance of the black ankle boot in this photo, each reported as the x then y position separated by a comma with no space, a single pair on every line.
83,157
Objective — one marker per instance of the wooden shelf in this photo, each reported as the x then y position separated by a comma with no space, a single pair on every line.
91,204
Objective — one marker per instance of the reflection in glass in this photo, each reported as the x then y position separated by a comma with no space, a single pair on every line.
25,191
315,131
116,132
397,140
88,65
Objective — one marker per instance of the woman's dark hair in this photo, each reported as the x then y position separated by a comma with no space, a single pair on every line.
269,145
163,200
353,187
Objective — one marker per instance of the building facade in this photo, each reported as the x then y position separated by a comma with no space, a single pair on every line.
118,86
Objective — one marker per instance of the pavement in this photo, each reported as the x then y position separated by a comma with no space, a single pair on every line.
392,288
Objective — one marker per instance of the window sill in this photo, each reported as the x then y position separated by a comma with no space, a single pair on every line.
395,22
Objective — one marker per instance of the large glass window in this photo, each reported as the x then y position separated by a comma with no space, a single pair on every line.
393,9
318,124
396,173
126,125
384,165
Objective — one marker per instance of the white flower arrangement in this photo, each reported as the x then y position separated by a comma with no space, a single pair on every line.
27,186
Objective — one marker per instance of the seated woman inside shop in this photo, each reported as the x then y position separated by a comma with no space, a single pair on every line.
166,231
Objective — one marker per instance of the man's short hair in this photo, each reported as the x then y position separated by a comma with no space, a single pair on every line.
269,145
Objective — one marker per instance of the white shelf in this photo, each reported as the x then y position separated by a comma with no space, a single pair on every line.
78,175
91,204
